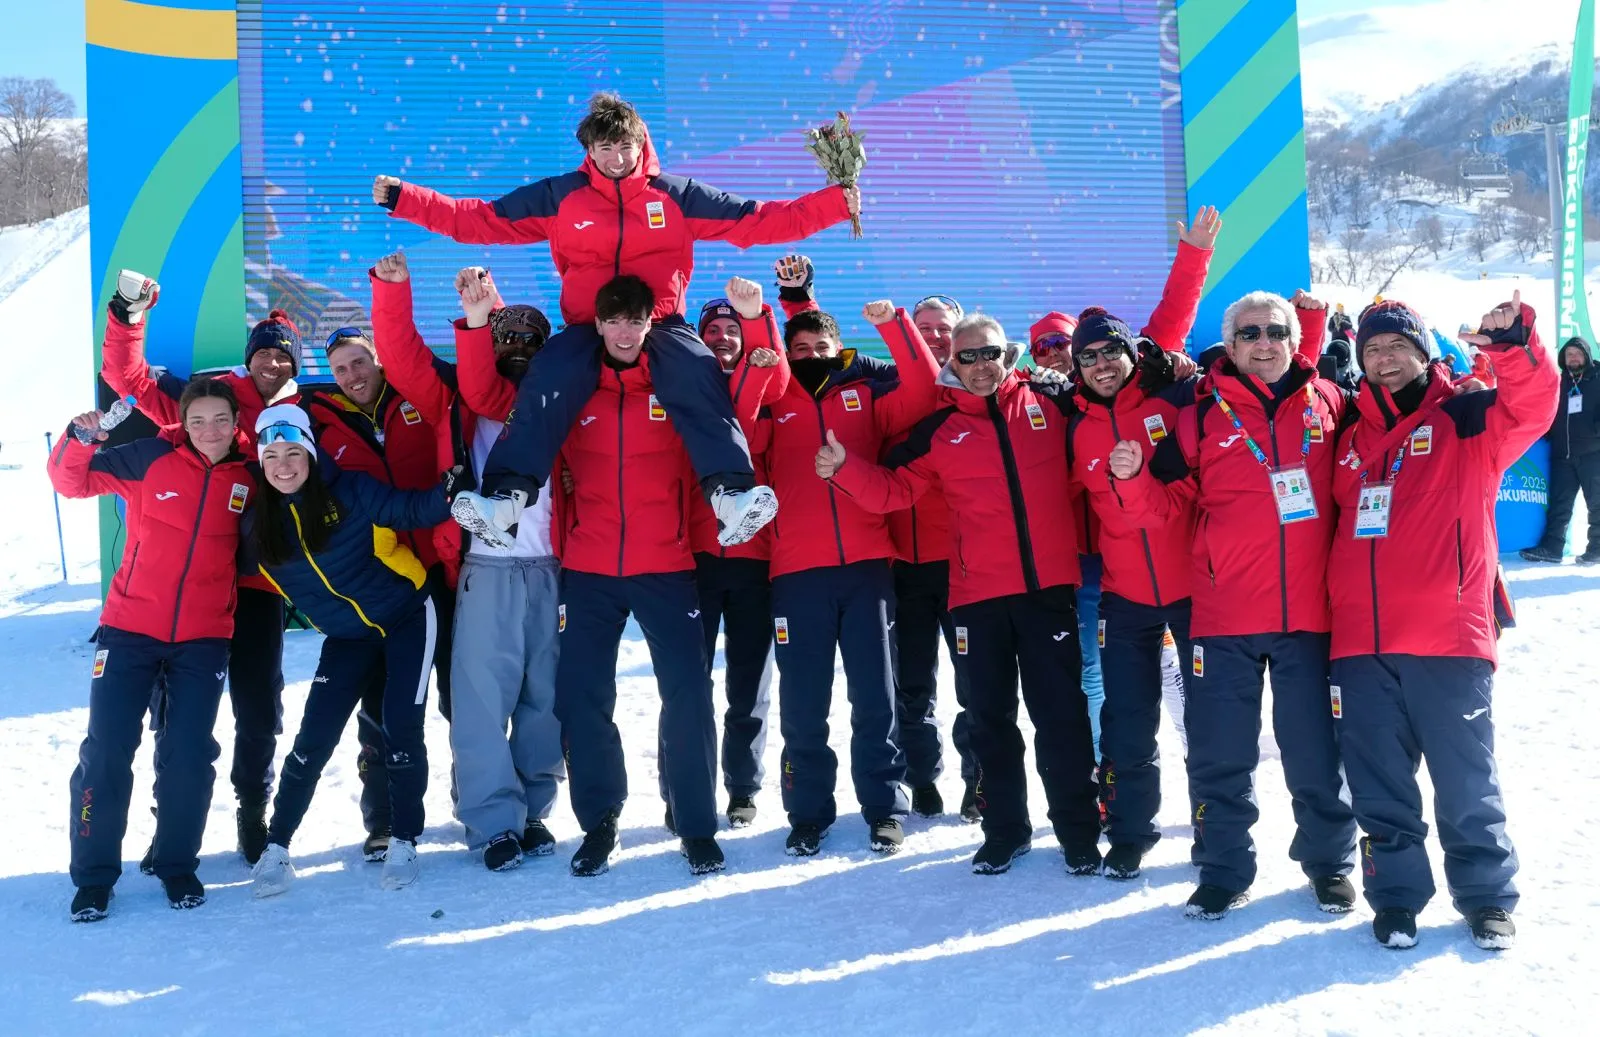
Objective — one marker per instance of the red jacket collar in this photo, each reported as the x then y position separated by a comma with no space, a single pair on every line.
1376,404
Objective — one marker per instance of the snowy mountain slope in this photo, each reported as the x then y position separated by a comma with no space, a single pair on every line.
24,251
844,943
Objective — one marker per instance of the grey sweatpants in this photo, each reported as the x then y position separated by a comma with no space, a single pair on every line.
503,668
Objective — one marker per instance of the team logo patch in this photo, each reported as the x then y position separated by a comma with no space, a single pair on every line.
780,627
409,413
961,640
657,412
656,214
561,619
100,661
236,499
1156,428
1337,697
1422,440
1036,417
1199,661
1100,636
851,398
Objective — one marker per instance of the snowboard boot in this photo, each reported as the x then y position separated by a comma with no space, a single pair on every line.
599,849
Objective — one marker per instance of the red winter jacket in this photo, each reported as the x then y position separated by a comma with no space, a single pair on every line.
645,224
1427,587
752,388
865,403
179,567
1001,463
628,512
1147,559
430,385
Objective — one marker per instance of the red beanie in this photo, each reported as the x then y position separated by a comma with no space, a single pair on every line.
1052,323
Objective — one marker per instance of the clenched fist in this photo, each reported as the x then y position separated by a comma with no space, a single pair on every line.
852,199
878,311
1127,457
478,295
380,188
762,357
1304,300
745,295
392,268
830,457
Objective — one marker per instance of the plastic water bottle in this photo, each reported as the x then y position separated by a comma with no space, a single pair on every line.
115,415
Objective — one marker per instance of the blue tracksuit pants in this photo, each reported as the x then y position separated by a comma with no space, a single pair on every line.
1395,711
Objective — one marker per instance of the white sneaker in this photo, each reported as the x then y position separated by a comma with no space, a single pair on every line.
272,872
742,513
491,519
400,866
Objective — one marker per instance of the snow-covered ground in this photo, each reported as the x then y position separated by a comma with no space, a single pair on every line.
843,943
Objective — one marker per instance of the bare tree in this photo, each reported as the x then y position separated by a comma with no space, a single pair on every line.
1482,235
43,163
1350,241
1528,232
1430,231
1398,259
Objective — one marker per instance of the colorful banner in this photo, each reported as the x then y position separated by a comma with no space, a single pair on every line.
1574,304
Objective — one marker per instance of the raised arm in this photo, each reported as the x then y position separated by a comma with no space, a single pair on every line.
796,277
917,394
1527,383
123,366
408,363
716,215
484,389
520,218
1313,316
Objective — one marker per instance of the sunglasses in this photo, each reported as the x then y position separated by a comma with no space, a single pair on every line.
343,333
526,337
943,300
1052,342
283,432
972,356
1251,332
1110,351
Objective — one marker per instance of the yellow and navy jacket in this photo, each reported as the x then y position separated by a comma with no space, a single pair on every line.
364,579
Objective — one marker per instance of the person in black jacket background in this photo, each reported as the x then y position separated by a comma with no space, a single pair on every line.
1574,456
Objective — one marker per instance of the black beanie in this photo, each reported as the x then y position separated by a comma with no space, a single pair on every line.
1096,325
276,332
1391,316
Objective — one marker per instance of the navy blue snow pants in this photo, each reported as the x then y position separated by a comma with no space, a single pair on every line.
255,690
1035,636
1130,765
594,611
1223,716
814,612
736,595
347,672
563,375
126,667
921,613
1397,711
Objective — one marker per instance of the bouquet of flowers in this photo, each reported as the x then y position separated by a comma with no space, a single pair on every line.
841,155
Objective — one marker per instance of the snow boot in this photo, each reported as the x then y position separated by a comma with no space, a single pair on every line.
184,892
805,840
1395,928
91,903
1541,554
1335,894
1000,850
251,821
741,513
599,849
704,856
536,839
502,853
1590,557
1082,859
741,811
971,813
1123,860
1212,902
1492,928
887,836
399,865
376,848
272,872
926,801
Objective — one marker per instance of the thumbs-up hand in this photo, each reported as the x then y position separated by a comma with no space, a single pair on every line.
1501,327
830,457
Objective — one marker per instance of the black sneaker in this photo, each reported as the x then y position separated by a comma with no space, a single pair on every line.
1590,557
805,840
887,836
1335,894
1212,902
926,801
1492,928
741,811
1541,554
184,892
251,821
1000,850
704,856
1082,859
970,811
502,853
91,903
376,849
536,839
1395,928
670,824
600,847
1123,860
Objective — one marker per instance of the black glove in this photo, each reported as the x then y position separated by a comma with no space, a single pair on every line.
457,480
1503,339
1156,370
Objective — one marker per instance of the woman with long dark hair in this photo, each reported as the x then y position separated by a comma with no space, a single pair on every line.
166,623
325,538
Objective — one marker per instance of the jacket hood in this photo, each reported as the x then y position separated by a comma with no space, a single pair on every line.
1588,354
948,379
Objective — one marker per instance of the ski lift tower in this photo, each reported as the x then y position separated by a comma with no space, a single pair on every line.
1549,118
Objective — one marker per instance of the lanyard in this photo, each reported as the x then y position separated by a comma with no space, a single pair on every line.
1249,441
1394,469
